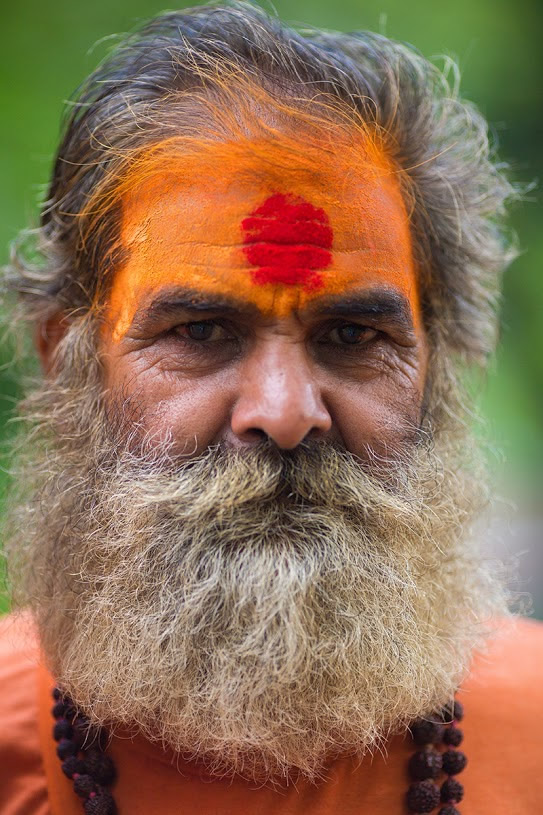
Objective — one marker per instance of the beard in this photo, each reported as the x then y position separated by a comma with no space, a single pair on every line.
262,611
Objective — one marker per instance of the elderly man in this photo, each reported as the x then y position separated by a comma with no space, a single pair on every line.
241,544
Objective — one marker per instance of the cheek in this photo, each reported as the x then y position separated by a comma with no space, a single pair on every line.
190,412
376,417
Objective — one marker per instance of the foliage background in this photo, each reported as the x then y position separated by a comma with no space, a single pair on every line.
47,49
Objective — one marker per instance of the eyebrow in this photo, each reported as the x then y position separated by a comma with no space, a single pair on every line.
375,304
179,300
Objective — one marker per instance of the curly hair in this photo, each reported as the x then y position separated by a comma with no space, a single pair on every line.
201,71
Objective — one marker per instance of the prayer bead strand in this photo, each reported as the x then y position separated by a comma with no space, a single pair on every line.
427,764
82,752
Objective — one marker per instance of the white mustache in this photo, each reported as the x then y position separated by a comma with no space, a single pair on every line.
225,481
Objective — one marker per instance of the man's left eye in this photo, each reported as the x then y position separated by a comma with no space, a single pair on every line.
202,330
352,334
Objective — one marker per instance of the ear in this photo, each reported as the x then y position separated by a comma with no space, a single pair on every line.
47,336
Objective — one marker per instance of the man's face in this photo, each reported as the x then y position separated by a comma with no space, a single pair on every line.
255,303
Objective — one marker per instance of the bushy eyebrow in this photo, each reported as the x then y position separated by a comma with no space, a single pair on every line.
375,305
180,301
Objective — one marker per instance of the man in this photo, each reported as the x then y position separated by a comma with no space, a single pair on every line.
242,531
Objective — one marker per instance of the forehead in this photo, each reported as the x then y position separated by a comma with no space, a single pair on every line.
268,226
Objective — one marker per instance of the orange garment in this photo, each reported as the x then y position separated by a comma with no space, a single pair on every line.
503,700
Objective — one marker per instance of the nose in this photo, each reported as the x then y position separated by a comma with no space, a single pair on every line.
279,398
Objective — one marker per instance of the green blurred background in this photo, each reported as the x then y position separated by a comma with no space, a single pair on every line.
47,49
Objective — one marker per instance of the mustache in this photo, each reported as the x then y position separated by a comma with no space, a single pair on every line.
314,474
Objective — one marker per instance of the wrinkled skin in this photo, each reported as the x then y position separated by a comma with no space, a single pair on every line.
224,361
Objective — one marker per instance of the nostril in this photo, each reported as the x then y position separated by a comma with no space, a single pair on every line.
250,436
256,434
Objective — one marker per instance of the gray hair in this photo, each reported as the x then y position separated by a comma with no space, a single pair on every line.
457,192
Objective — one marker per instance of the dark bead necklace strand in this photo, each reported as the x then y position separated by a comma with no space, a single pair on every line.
81,750
427,764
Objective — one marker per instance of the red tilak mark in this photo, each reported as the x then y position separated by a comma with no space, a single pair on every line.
288,239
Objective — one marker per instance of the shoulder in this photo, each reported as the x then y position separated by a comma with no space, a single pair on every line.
511,662
18,644
503,699
22,780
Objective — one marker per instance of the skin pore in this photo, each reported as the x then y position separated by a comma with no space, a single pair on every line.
265,298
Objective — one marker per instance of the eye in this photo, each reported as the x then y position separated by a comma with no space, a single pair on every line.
202,330
352,334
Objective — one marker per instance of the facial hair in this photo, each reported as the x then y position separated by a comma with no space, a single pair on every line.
261,611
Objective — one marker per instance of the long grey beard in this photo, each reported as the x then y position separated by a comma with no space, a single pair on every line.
263,611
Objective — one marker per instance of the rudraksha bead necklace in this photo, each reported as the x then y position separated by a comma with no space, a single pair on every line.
429,763
81,750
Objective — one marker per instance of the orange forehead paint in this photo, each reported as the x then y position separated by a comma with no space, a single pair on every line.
263,224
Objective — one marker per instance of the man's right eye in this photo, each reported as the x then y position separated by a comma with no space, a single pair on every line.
202,330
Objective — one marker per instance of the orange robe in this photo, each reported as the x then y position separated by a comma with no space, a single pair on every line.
503,740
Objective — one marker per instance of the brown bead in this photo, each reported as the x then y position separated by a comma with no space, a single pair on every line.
101,804
59,709
452,712
427,732
453,762
73,765
84,785
66,748
422,796
424,764
452,791
101,767
453,736
62,729
458,710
